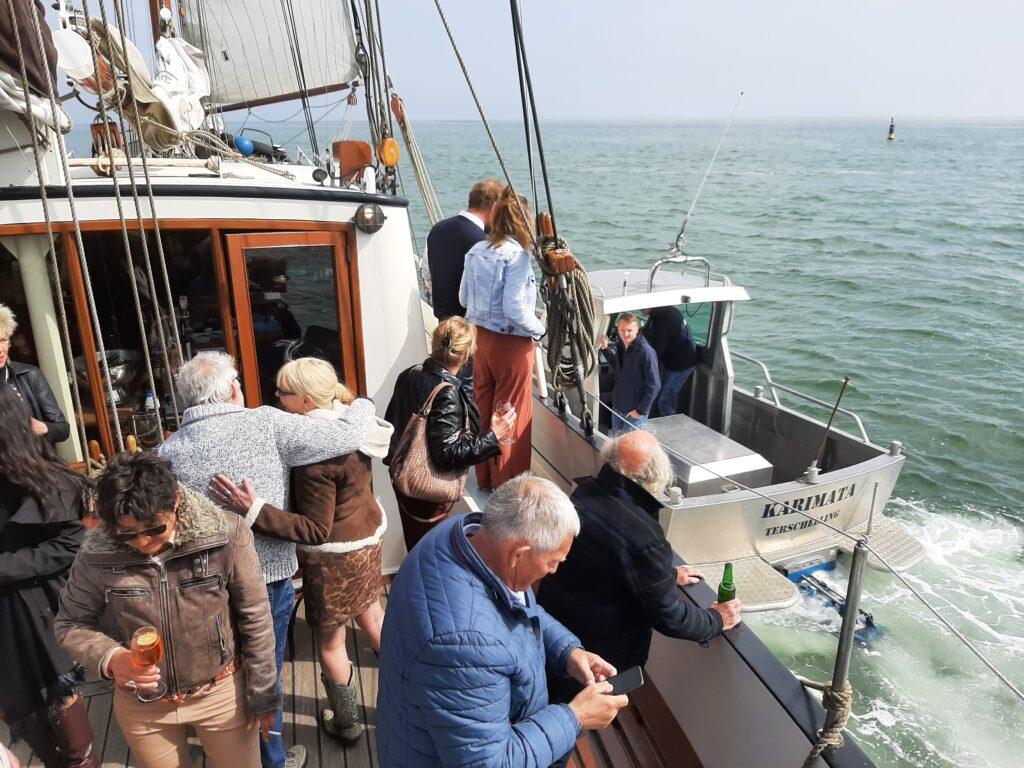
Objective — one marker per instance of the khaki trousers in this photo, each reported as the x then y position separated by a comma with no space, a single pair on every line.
158,737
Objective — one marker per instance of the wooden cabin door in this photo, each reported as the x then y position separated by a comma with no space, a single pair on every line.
293,298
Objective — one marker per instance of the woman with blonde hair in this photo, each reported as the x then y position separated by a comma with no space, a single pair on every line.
499,292
338,524
450,445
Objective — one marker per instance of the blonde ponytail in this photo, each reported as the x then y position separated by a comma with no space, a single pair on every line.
315,378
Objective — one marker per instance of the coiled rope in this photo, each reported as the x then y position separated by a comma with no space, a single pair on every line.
837,703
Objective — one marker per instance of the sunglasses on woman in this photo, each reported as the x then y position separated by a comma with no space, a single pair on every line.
123,537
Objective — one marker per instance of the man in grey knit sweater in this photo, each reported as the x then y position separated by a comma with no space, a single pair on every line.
219,435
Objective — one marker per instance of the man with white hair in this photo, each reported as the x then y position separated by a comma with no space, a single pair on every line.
619,583
219,435
46,417
466,647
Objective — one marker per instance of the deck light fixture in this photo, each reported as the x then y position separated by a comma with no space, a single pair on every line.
320,175
369,218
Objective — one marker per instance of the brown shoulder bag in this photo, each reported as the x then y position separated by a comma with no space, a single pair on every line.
412,472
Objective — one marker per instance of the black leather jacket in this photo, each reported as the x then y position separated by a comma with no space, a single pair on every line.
450,448
37,395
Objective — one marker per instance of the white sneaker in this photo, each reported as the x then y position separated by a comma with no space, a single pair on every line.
295,757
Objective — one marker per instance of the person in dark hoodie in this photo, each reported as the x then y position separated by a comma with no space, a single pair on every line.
618,583
41,505
635,366
669,335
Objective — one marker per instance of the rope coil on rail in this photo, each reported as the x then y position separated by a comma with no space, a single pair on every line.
838,704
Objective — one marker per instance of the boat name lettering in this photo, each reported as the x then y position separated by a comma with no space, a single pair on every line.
807,503
790,527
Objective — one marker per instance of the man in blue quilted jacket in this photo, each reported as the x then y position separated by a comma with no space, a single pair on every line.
466,648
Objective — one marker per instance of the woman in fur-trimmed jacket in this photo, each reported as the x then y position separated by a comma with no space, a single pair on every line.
337,524
167,558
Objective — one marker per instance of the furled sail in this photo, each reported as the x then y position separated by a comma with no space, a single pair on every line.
263,51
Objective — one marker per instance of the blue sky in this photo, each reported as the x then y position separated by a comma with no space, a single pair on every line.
647,60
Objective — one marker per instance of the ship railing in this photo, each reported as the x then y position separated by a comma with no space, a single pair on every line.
775,387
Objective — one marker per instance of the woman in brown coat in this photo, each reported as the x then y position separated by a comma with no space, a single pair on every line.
339,526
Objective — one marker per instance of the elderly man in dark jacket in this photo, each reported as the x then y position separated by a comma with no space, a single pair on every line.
28,381
618,582
635,366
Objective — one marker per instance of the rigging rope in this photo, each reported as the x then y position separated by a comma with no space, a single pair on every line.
571,353
136,299
158,238
472,91
86,279
65,334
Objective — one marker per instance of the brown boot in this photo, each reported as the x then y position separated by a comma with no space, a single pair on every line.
60,738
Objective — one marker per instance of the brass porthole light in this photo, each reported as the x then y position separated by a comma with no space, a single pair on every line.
369,218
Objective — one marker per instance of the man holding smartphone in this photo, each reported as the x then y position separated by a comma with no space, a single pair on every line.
618,583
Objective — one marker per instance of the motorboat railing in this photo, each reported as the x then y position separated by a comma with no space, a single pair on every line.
680,259
717,276
774,387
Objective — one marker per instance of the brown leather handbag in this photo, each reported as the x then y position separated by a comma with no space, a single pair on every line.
412,472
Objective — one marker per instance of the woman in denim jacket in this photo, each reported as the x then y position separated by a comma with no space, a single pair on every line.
499,292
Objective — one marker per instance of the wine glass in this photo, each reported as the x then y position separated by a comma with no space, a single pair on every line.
147,650
503,407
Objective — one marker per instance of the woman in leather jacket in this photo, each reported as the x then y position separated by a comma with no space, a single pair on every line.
450,444
168,558
41,505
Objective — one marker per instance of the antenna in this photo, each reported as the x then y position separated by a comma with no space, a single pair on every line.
677,246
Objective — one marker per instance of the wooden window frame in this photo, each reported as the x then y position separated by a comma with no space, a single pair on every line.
218,229
237,244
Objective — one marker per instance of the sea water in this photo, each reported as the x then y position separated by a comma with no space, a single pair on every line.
897,263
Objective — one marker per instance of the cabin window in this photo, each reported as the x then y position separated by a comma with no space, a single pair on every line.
292,298
189,258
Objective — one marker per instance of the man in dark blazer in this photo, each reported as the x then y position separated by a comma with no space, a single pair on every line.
448,242
618,583
28,381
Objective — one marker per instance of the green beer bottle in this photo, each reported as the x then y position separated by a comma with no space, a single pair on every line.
726,587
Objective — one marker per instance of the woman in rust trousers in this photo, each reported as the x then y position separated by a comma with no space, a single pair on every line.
499,292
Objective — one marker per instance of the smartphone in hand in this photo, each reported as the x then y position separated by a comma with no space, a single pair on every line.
626,681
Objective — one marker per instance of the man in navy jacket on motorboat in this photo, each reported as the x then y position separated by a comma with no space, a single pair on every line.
635,366
618,582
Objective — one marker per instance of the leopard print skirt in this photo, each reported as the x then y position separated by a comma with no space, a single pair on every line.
340,586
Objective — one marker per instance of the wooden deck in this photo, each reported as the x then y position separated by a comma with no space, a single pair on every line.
628,742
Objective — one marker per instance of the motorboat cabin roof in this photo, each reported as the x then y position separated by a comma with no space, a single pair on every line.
622,290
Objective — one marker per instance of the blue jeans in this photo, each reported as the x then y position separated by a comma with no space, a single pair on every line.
671,383
282,601
619,422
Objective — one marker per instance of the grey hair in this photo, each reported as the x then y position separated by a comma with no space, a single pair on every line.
656,474
533,509
8,322
206,378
